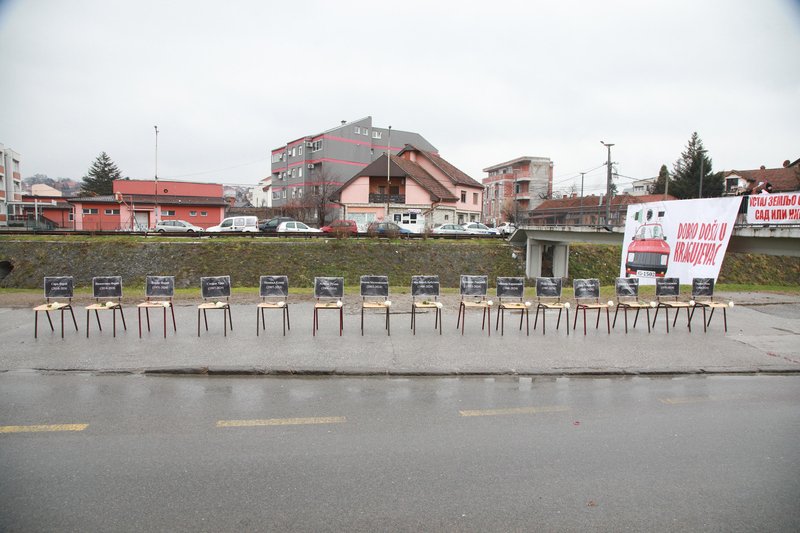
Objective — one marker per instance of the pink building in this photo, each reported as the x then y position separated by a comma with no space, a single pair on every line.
418,189
136,205
514,188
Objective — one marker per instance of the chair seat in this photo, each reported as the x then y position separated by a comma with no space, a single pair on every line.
373,305
55,306
553,305
592,306
475,304
715,305
423,305
100,307
512,305
271,305
633,305
214,305
155,304
326,305
679,305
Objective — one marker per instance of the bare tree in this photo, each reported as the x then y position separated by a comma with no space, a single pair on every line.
321,185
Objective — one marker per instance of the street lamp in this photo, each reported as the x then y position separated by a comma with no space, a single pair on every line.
608,184
702,153
388,172
156,174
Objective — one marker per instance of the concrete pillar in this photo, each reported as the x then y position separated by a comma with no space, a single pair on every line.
561,260
533,261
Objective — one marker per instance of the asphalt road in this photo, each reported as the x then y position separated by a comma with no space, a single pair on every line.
82,452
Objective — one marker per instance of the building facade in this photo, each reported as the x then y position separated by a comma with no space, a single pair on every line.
514,188
261,195
324,161
10,187
417,189
137,205
588,210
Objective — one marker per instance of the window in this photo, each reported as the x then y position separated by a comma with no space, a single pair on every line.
357,130
464,196
89,211
316,146
376,134
475,198
293,194
292,152
203,213
192,213
300,150
112,211
168,213
299,193
71,217
284,194
276,157
447,217
300,172
366,132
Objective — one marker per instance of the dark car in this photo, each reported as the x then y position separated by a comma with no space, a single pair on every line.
341,226
271,225
386,228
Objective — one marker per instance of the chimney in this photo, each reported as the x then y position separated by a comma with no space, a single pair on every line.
786,163
763,167
344,122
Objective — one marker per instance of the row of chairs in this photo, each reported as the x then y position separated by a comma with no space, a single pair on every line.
374,292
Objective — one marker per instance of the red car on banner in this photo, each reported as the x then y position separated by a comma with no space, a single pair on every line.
648,252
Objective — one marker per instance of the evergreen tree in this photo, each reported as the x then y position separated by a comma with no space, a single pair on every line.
661,180
99,179
686,173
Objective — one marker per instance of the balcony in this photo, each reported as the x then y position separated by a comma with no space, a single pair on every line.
375,198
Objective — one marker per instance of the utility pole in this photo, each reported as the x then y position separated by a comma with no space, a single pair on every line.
580,220
702,153
516,194
388,172
156,174
608,184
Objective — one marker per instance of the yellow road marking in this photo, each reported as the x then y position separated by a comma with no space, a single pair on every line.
515,411
41,428
280,422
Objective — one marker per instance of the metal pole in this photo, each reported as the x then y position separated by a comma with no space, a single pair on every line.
608,184
702,160
388,172
156,174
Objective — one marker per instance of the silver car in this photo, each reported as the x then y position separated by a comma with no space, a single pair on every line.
176,226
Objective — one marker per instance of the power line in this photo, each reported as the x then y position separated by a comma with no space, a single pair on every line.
218,169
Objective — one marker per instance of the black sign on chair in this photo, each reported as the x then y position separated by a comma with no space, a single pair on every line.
328,292
159,292
627,294
425,295
60,287
215,288
274,292
510,295
668,292
703,296
548,296
106,288
587,296
474,287
375,295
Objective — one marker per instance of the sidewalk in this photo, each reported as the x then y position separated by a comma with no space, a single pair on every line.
763,336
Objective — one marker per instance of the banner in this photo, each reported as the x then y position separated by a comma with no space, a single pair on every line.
773,208
677,239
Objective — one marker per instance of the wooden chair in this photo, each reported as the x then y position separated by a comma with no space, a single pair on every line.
375,295
159,292
587,296
425,295
703,296
474,287
548,296
274,292
627,294
510,295
667,297
218,288
106,288
328,293
55,287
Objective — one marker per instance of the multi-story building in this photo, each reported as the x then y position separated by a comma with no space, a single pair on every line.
516,187
10,186
417,190
261,195
324,161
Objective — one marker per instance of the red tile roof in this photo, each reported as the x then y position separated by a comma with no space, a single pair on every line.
598,201
782,179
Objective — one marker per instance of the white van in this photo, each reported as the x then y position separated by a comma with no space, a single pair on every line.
242,223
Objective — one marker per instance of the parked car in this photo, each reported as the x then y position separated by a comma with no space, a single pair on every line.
242,223
176,226
477,228
341,226
450,229
384,228
293,226
271,225
506,228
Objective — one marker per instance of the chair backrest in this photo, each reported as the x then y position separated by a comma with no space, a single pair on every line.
159,287
549,289
424,287
586,289
668,288
627,289
107,287
328,288
510,288
58,287
374,287
273,287
474,286
215,287
703,289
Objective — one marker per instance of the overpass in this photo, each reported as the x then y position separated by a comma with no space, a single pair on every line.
756,239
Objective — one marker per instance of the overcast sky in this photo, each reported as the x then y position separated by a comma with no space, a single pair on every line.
485,82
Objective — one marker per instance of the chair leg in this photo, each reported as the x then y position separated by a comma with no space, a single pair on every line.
262,316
